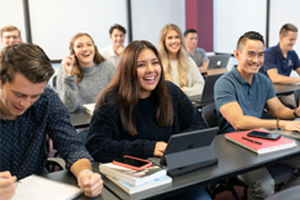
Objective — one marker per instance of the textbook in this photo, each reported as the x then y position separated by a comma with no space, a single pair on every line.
89,108
130,189
265,145
131,176
35,188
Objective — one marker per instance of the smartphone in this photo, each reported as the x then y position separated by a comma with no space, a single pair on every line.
265,135
132,163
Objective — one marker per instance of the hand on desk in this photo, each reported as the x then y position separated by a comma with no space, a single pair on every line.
160,148
90,183
290,125
8,185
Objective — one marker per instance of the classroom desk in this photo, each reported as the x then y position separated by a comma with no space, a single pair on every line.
285,89
66,177
214,71
80,118
233,160
197,103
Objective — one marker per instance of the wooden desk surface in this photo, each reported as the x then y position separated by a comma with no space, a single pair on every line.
233,160
66,177
80,118
284,89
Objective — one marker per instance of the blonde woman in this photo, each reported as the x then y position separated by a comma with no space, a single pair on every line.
178,66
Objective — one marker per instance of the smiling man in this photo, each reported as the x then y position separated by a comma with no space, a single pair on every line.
10,35
281,59
198,54
114,51
28,111
240,97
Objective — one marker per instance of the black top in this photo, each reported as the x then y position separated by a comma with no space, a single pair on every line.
108,140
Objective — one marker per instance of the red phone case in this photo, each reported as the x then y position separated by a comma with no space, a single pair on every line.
149,163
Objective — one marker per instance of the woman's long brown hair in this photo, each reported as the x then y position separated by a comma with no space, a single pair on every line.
98,58
126,84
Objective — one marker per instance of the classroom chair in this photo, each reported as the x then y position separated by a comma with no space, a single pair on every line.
289,193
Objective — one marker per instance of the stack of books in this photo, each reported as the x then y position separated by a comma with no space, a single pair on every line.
133,181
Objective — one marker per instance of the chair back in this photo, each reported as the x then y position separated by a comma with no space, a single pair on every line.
210,115
54,81
289,193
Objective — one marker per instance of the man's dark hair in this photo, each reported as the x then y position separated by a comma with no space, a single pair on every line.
251,35
28,59
117,26
187,31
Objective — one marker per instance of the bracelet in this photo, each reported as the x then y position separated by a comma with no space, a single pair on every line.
277,123
295,114
86,171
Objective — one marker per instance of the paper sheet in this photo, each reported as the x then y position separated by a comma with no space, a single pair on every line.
35,187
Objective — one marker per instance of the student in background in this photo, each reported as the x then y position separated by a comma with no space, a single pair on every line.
10,35
198,54
281,59
178,66
84,73
240,97
138,111
113,52
28,111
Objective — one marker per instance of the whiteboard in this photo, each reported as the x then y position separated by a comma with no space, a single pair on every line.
149,17
12,13
55,22
282,12
232,18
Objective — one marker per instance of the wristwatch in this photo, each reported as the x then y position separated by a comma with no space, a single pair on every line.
295,114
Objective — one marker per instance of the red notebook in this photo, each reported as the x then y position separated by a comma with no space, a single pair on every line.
266,145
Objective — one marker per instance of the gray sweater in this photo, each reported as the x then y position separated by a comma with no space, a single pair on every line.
95,79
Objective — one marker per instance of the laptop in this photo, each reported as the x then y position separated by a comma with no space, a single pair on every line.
188,151
207,95
218,61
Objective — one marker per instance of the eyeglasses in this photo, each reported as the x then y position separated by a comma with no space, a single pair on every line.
11,36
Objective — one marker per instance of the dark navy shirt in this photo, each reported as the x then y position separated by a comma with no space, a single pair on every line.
232,87
23,146
275,59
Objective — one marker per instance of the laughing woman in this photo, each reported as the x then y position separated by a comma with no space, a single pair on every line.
178,66
84,74
138,111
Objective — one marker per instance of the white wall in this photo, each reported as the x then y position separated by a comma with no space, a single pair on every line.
11,13
284,11
232,18
55,22
148,18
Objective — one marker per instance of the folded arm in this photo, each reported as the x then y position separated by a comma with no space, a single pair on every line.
233,113
275,77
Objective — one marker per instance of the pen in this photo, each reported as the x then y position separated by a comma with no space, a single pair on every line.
252,140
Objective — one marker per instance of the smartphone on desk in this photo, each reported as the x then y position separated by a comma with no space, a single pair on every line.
265,135
132,163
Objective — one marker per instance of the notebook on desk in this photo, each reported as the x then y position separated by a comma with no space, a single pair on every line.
207,95
188,151
218,61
